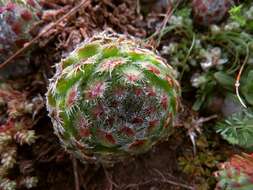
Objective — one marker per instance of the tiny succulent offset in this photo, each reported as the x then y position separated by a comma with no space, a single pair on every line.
18,115
112,98
236,174
206,12
17,19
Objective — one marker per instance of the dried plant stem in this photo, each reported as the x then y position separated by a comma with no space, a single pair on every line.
75,170
168,15
237,83
188,55
26,46
163,180
206,119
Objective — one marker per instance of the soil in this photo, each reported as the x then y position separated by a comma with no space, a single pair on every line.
157,169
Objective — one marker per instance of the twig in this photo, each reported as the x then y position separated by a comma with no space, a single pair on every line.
205,119
158,181
188,55
72,11
109,179
138,7
75,170
237,83
165,180
169,13
167,17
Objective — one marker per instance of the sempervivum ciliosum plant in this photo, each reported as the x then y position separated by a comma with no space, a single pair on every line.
237,174
206,12
17,19
111,97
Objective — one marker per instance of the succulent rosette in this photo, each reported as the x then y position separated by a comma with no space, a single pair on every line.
111,97
206,12
236,174
17,20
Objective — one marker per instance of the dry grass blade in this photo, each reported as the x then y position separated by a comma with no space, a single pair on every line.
171,9
237,83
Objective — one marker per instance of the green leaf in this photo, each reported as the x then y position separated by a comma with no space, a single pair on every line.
225,80
111,51
88,50
157,81
236,15
238,129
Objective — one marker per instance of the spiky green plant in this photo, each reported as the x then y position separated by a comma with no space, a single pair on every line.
112,97
208,12
236,174
17,20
